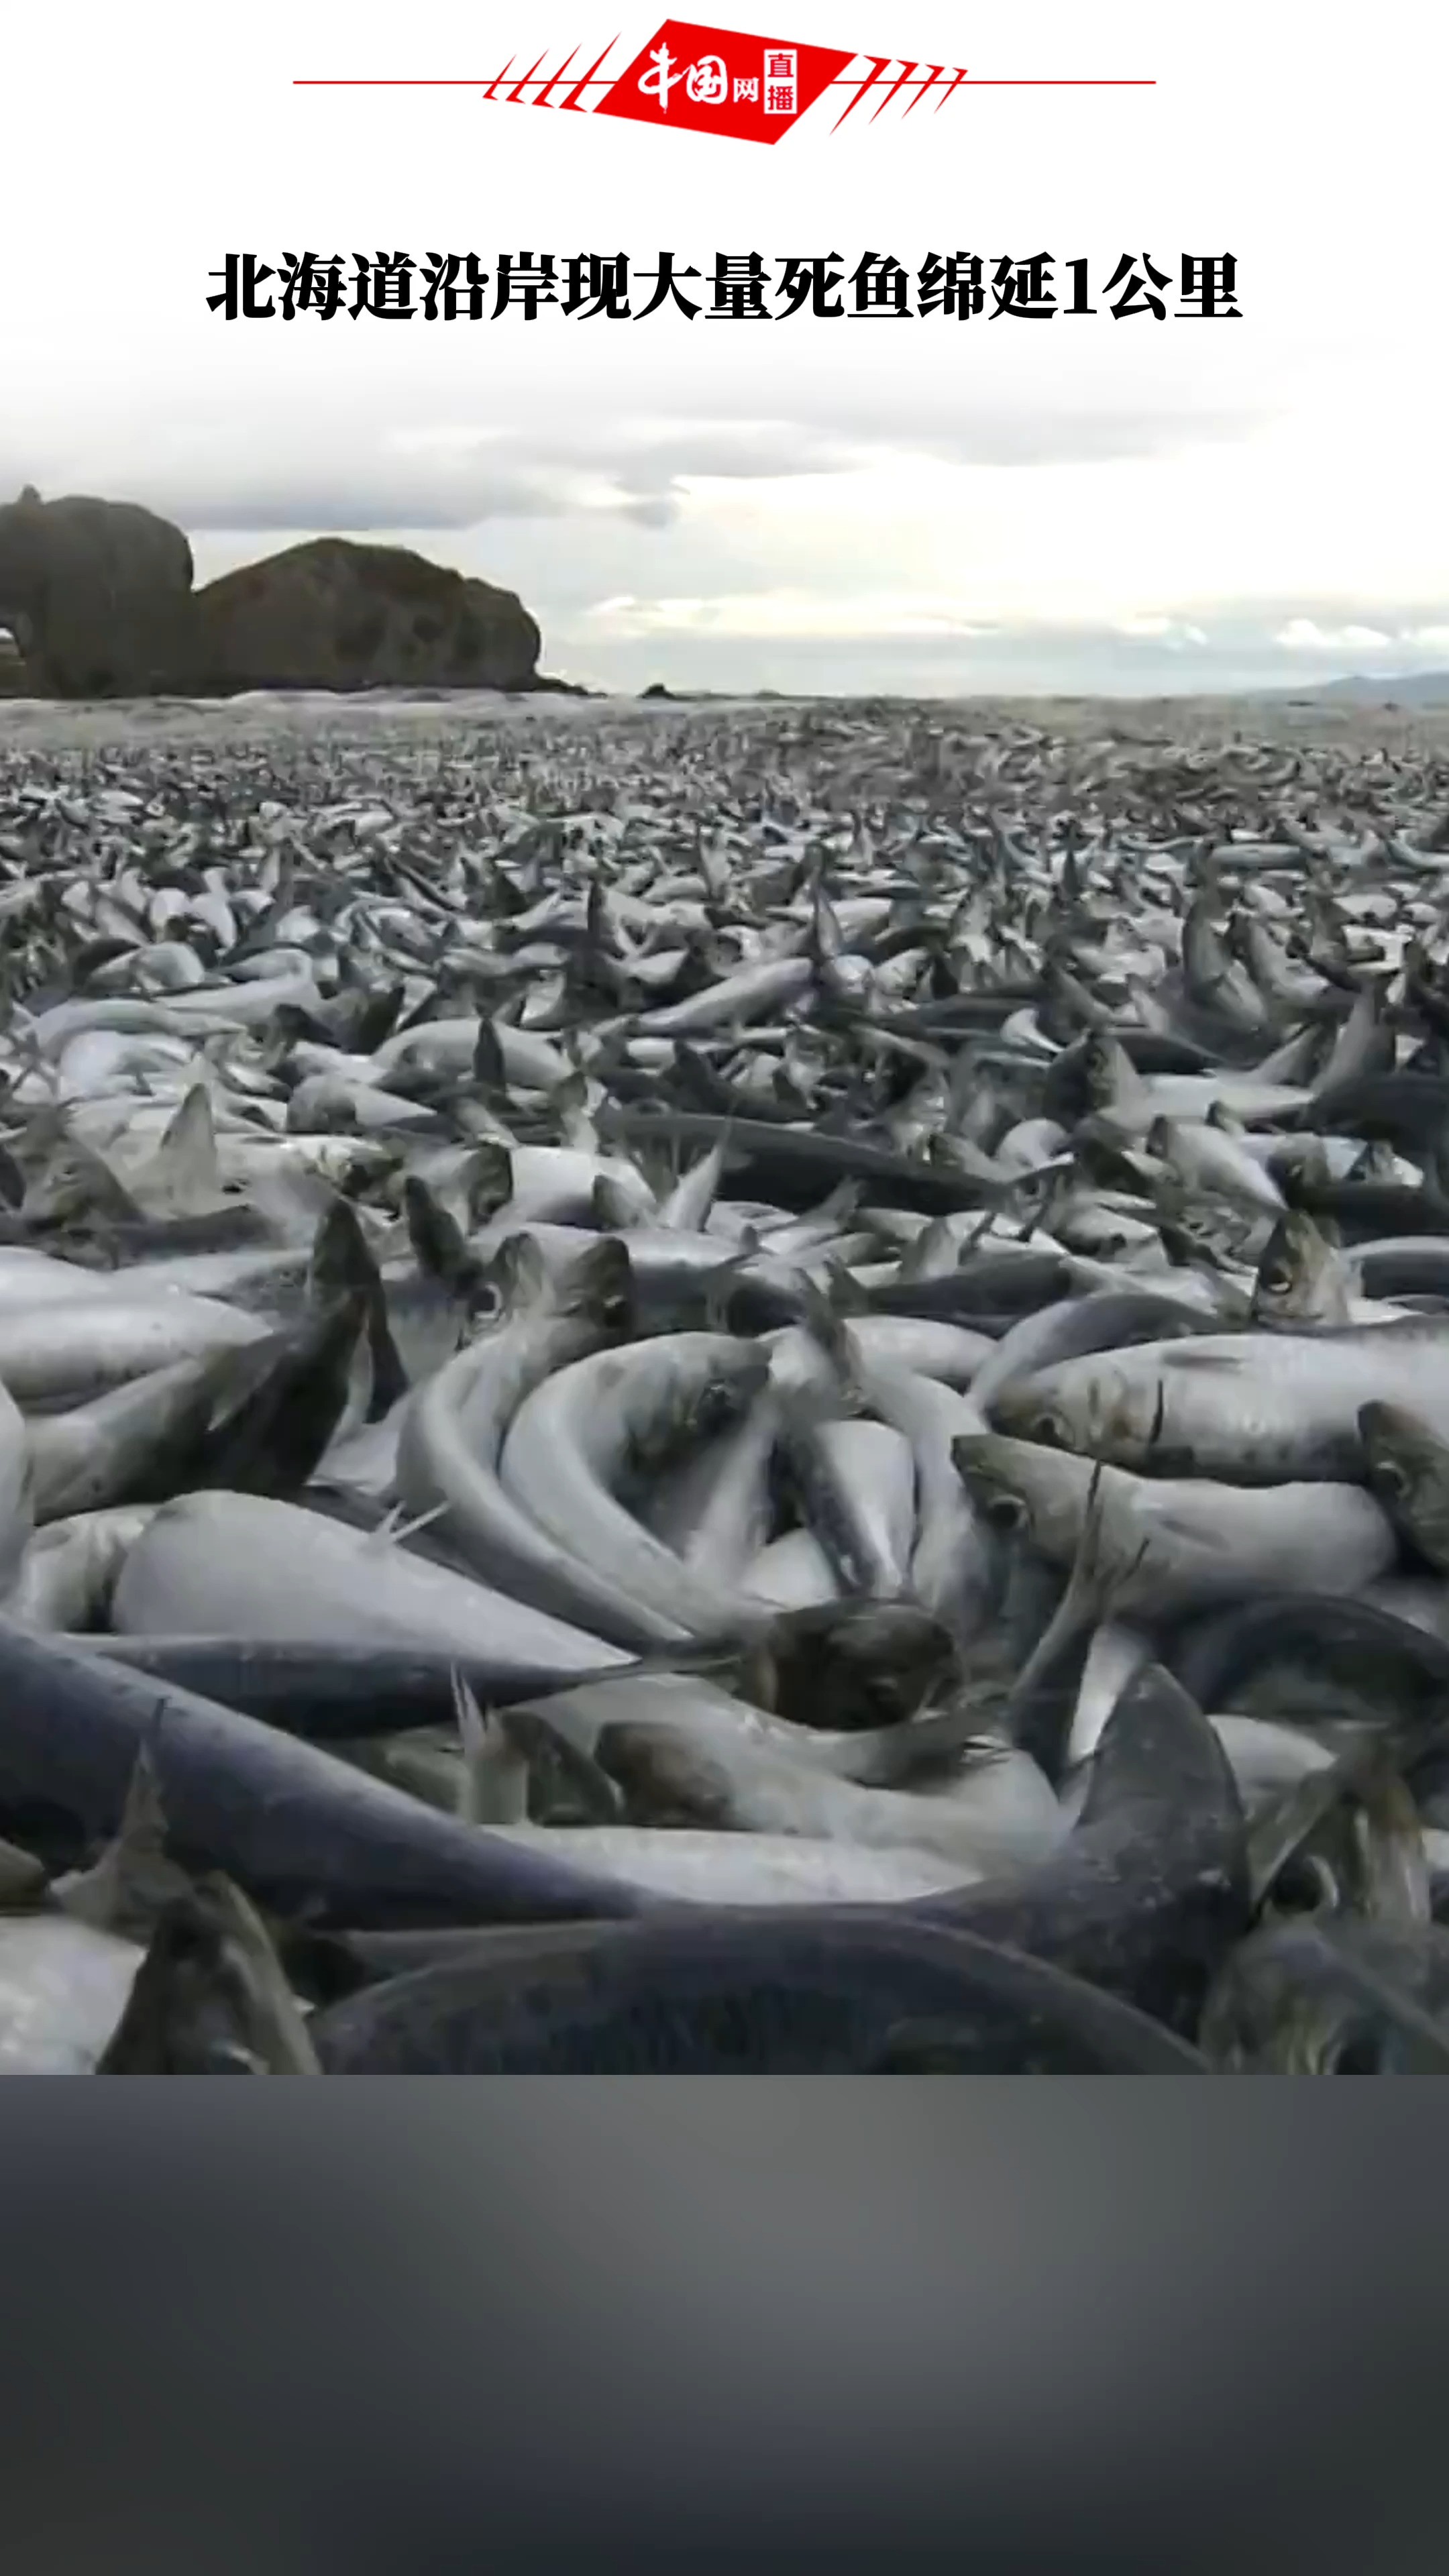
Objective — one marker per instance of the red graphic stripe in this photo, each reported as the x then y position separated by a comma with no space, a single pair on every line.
576,93
523,84
936,70
908,74
555,77
877,66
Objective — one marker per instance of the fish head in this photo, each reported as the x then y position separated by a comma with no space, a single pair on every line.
1258,2019
1407,1467
1108,1073
1200,1231
488,1183
1300,1275
980,1459
856,1664
1021,1486
1291,2001
1079,1406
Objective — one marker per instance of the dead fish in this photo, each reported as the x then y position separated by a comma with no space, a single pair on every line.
1064,1096
780,1995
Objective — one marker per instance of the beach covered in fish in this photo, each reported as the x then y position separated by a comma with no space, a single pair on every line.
743,1387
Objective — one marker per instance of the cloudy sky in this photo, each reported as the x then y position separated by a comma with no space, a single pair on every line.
1082,504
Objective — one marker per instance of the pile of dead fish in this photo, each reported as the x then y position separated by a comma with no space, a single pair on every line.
743,1391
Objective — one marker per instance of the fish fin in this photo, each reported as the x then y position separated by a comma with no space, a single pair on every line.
839,1204
489,1071
342,1262
571,1106
134,1879
921,1254
438,1243
493,1786
210,1958
827,1327
394,1529
689,1201
377,1017
719,1287
825,939
343,1278
1390,1848
183,1177
280,2035
657,1167
846,1296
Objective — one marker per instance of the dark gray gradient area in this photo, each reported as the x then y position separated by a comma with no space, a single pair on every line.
716,2326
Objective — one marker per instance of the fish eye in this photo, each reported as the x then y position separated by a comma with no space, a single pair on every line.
1046,1428
1390,1476
1304,1885
1005,1511
1276,1282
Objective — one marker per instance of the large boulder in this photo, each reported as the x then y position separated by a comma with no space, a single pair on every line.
97,595
331,614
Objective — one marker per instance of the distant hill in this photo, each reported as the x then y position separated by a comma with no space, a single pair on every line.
1405,688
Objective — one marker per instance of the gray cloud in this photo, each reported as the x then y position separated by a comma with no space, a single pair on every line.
645,480
331,458
516,473
369,484
650,509
372,495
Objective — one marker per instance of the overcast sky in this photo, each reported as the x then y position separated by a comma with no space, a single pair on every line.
1081,504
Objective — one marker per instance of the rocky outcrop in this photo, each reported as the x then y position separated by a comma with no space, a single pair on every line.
97,595
331,614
